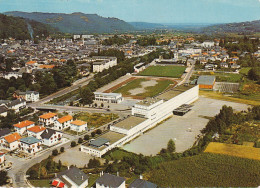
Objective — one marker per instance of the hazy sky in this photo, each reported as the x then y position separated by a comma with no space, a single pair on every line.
155,11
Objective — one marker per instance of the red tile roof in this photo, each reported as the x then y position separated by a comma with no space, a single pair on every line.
12,137
65,118
78,122
48,115
55,183
23,124
36,129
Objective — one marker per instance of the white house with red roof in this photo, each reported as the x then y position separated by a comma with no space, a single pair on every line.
11,141
22,127
48,119
78,126
36,131
63,122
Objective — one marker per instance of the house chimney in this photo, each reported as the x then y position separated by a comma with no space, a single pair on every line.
68,167
141,177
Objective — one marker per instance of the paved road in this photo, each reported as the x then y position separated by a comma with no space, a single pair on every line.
188,75
20,166
74,86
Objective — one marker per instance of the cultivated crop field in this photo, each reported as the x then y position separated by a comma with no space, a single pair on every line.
207,170
234,150
141,88
164,71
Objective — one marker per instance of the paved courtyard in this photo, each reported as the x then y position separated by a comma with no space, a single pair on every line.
73,156
182,129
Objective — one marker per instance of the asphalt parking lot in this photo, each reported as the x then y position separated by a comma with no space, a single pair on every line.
182,129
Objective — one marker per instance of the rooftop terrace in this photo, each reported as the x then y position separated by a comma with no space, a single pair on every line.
174,92
129,122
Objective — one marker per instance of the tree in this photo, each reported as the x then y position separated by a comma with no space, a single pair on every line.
98,131
253,74
93,134
59,165
55,152
86,137
171,146
4,177
87,96
93,163
80,140
33,174
73,144
62,149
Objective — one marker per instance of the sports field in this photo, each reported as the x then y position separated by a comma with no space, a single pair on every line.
234,150
143,88
164,71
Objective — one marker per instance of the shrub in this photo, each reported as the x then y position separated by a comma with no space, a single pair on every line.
98,131
55,152
62,149
80,140
93,134
86,137
73,144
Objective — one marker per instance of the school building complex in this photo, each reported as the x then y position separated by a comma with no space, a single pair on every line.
145,115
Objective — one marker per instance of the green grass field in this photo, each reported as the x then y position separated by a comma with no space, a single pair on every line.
164,71
148,92
207,170
40,183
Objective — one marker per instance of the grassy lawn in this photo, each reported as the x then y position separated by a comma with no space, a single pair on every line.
244,70
96,119
148,91
40,183
234,150
118,154
131,85
228,77
219,96
207,170
221,77
164,71
92,179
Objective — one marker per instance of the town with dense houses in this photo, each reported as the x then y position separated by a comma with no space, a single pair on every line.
90,101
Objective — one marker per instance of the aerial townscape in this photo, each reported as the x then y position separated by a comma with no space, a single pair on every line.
150,94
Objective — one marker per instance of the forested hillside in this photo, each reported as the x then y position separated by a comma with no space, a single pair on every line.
22,29
77,22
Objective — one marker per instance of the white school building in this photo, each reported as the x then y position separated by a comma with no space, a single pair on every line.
145,115
108,97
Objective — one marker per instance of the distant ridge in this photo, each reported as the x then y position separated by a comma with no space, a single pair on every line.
77,22
240,27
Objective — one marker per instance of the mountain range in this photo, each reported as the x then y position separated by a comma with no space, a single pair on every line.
77,22
81,23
